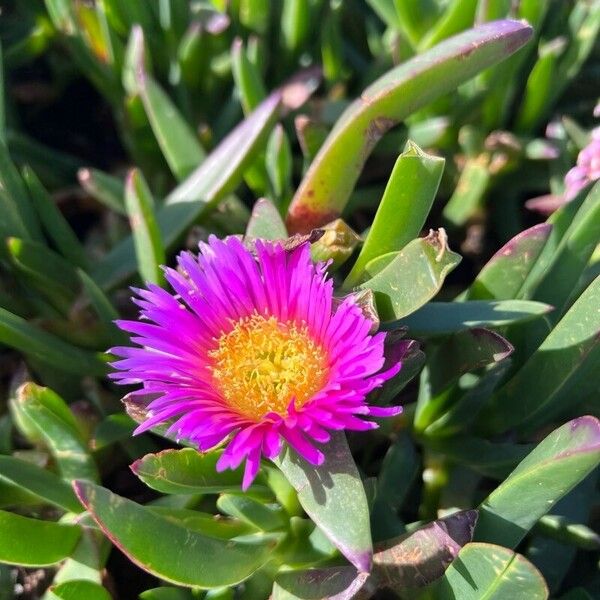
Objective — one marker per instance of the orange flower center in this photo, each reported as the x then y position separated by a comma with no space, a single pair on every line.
262,364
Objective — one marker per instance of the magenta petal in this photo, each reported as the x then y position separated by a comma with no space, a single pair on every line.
172,356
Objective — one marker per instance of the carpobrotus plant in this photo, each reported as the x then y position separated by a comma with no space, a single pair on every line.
254,350
320,413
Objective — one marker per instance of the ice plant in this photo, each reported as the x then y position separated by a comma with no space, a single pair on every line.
252,351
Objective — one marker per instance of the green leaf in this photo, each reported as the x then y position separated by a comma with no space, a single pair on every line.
168,593
33,543
581,31
560,277
503,276
218,175
214,526
147,240
256,514
55,225
18,215
411,277
458,16
462,413
326,187
420,557
278,161
469,193
495,460
31,478
295,25
247,78
456,355
178,142
44,410
186,471
103,307
554,371
333,496
89,558
265,222
568,532
397,474
416,19
77,590
47,272
37,343
171,551
311,136
491,572
334,583
440,318
540,83
406,202
105,188
552,469
54,168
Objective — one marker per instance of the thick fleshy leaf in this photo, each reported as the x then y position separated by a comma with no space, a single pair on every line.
279,164
440,318
178,142
405,204
89,558
216,177
45,272
77,590
495,460
554,546
554,467
333,174
470,191
456,355
18,215
334,498
53,222
408,279
105,188
458,15
103,307
34,543
265,222
35,480
149,249
462,413
565,363
37,406
504,274
169,550
491,572
398,472
258,515
186,471
247,77
420,557
334,583
572,256
17,333
168,593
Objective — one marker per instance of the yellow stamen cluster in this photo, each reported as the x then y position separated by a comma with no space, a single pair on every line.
261,364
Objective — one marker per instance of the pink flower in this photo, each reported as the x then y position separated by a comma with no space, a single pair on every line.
252,352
